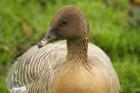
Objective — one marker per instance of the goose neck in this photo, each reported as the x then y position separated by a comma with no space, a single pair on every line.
77,50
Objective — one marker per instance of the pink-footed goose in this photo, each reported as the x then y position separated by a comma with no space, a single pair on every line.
71,66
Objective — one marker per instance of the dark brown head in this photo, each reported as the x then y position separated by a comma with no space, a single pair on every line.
67,23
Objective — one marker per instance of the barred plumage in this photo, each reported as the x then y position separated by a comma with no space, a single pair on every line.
26,68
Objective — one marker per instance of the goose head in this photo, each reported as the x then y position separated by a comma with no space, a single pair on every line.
67,23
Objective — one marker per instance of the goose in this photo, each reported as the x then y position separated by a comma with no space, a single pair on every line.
70,65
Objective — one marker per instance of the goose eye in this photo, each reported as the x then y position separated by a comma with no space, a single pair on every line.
64,22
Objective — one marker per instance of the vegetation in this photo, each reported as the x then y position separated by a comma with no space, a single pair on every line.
24,22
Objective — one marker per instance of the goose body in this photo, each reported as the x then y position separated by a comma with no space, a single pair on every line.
71,66
34,70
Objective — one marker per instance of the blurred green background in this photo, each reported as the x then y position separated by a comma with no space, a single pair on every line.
24,22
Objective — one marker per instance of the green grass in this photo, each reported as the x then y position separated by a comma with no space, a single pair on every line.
129,76
24,22
3,88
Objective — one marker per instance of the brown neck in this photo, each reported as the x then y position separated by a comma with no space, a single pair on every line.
77,50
